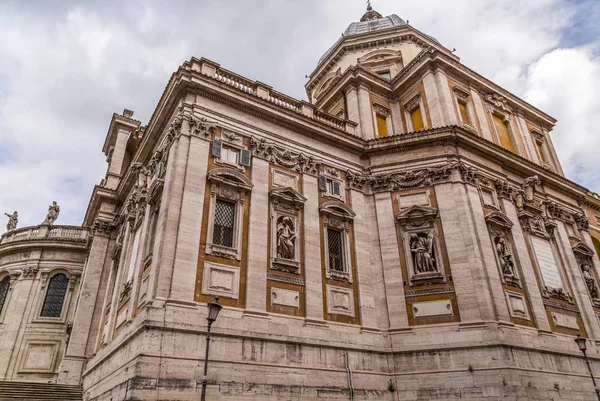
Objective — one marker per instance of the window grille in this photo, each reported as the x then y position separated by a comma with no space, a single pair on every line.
334,244
4,286
55,296
224,222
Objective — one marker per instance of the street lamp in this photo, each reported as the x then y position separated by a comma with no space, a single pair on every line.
213,311
581,343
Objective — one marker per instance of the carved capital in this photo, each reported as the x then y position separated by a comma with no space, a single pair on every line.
583,223
356,180
498,102
201,127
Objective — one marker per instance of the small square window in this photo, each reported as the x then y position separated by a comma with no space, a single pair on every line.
333,187
230,155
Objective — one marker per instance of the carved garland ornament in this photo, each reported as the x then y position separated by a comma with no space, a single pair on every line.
284,157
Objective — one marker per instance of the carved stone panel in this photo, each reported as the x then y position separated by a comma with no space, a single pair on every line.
340,300
283,297
432,308
549,269
565,321
517,305
221,280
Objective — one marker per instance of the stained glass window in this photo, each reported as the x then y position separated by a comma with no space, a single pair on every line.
334,245
4,286
55,296
223,226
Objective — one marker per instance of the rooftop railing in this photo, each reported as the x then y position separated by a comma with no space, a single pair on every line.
45,232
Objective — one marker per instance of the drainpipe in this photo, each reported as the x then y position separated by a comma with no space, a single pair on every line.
349,376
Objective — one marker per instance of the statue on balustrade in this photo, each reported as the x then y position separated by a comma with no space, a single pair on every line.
422,248
53,211
286,238
13,219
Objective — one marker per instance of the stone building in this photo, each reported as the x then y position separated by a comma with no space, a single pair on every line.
406,234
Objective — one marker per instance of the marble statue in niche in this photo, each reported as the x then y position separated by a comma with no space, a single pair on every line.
53,212
505,256
590,281
13,219
421,246
286,238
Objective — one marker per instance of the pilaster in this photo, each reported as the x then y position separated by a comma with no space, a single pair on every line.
366,115
434,104
256,280
480,112
529,277
446,102
364,268
353,111
312,246
189,221
396,118
575,276
393,282
75,356
470,284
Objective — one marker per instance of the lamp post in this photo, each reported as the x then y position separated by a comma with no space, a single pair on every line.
581,343
213,311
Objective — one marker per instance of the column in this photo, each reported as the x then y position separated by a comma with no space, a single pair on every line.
529,277
366,116
390,256
364,268
472,292
578,285
312,250
75,356
185,265
256,280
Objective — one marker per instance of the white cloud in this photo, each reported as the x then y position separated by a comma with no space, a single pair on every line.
66,67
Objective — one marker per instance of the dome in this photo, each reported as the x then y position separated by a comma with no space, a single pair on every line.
370,22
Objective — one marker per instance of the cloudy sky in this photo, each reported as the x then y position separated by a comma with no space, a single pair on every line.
66,66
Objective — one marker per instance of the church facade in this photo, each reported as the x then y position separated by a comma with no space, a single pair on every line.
406,234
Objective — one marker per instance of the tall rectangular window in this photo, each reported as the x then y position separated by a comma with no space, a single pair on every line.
464,114
540,149
417,119
503,134
223,223
381,127
335,250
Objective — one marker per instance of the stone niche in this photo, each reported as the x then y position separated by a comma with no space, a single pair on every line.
584,256
421,245
286,230
499,227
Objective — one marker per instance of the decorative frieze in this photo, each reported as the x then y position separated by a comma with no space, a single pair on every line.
412,179
285,279
284,157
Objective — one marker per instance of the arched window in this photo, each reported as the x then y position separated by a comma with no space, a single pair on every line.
55,296
4,286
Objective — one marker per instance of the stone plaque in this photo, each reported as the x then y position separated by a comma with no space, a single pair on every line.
282,179
488,197
221,280
280,296
418,199
432,308
547,263
516,303
40,357
566,321
340,300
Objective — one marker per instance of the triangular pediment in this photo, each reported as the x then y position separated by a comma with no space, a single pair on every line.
417,212
338,209
287,194
499,219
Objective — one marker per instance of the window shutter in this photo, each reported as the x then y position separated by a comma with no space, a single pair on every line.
322,183
216,148
245,157
336,188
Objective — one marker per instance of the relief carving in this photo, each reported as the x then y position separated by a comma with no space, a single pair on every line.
283,157
421,246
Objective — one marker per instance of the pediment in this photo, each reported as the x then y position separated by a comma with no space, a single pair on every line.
338,209
499,219
288,194
230,177
417,212
582,249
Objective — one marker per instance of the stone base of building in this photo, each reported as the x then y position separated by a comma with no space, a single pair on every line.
159,356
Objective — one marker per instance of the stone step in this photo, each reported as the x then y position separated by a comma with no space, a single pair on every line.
12,390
